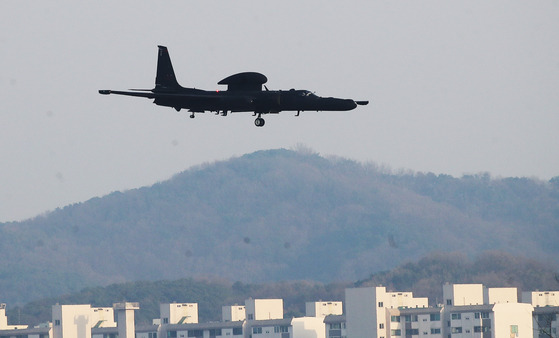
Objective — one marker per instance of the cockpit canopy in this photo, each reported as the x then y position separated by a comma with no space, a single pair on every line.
303,93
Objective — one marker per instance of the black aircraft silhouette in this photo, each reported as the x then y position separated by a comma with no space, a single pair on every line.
244,94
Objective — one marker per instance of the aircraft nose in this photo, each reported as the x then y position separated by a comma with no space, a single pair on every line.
344,104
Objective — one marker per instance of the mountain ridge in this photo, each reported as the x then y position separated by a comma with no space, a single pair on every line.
274,215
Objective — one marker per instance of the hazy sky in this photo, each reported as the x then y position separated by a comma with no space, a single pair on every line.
456,87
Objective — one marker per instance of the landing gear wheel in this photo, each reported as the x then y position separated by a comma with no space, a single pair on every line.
192,115
259,122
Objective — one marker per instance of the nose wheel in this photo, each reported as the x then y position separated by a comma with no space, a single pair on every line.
259,122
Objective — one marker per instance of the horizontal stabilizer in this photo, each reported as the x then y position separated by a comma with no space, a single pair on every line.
362,103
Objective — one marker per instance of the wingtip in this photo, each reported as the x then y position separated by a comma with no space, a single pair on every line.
104,91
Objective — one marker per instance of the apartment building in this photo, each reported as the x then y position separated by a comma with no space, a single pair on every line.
367,310
546,310
4,320
415,322
323,309
233,313
178,313
468,311
335,326
264,320
541,298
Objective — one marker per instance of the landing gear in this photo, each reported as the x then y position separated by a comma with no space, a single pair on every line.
259,122
192,115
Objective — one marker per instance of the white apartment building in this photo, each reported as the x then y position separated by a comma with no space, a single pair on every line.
71,321
504,320
473,311
500,295
178,313
264,309
462,294
267,322
546,310
233,313
415,322
323,309
81,320
335,326
367,308
4,320
469,311
541,298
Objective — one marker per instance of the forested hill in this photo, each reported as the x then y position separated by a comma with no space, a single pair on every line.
275,215
424,278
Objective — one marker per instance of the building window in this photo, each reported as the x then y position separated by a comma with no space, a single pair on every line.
285,329
456,316
449,302
456,329
395,332
436,331
485,315
514,330
381,326
195,333
482,328
256,330
165,320
215,332
434,317
250,316
57,322
171,334
413,332
380,304
395,319
334,326
237,331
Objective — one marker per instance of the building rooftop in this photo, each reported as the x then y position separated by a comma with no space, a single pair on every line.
471,308
331,319
420,310
203,326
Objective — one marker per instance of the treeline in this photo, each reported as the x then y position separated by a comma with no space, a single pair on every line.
492,269
210,296
424,277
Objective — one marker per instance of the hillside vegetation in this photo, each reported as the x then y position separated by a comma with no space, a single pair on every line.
271,216
424,277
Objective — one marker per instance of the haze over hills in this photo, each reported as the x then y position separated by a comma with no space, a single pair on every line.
275,215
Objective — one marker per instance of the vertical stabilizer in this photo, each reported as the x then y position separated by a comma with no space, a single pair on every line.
165,78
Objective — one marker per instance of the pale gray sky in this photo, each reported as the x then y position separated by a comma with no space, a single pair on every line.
456,87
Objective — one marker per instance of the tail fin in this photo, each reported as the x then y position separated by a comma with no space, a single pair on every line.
165,78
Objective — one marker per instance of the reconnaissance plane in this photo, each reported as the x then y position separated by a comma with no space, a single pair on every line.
244,94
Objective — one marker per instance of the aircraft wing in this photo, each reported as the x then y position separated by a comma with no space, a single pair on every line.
152,95
149,95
